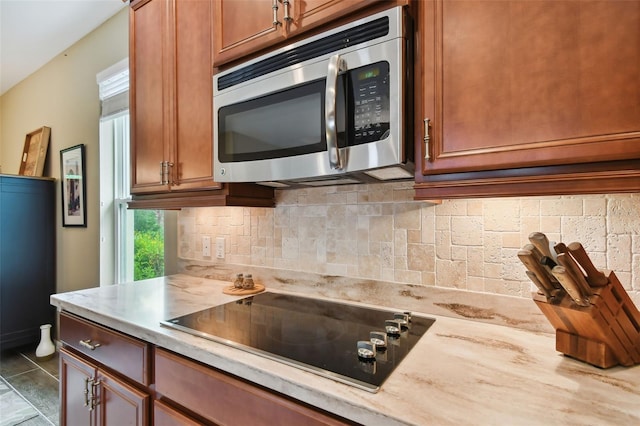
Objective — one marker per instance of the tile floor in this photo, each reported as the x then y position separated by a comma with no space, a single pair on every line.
35,381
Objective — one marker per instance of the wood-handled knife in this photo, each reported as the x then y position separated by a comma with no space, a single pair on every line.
595,278
541,242
560,248
542,279
575,272
545,262
547,293
572,288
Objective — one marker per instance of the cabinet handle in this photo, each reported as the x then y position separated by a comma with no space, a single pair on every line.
169,179
90,398
164,179
275,13
87,344
86,391
165,173
427,138
286,4
93,398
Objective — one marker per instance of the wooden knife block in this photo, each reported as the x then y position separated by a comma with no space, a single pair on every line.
605,334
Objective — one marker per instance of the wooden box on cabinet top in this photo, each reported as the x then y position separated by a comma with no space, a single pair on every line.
514,89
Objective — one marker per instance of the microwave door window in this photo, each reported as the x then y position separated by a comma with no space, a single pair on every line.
282,124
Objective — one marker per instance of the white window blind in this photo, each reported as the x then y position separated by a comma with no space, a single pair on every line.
113,84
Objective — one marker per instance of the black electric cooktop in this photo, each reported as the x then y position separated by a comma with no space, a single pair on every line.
316,335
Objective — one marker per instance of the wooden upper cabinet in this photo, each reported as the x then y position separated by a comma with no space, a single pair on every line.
244,27
171,69
171,86
193,154
149,87
516,84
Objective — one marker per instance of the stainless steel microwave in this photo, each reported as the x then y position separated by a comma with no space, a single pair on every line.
331,109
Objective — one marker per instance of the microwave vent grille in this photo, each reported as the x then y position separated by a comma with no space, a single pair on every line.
343,39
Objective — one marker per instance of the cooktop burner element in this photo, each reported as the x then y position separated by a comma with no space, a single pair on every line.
356,345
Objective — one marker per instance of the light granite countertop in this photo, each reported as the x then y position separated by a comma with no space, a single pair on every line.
460,372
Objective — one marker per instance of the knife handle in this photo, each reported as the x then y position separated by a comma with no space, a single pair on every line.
532,264
570,285
573,269
595,278
543,260
541,242
560,248
534,278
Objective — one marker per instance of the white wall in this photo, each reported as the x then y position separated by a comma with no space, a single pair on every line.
63,95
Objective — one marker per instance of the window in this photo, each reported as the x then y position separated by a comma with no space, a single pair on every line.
131,241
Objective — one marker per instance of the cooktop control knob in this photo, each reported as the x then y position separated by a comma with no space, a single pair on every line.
393,327
368,366
379,339
366,350
402,318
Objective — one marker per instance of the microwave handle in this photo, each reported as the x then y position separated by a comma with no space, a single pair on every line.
336,65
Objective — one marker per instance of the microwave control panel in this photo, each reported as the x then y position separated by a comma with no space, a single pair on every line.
370,91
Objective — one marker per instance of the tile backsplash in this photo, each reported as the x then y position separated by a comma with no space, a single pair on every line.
379,232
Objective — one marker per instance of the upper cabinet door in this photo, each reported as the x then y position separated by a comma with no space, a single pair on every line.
511,84
245,27
193,148
150,85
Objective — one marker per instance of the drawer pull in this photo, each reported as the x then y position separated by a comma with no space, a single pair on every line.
87,344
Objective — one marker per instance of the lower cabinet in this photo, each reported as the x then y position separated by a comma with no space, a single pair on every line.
106,379
104,375
164,415
90,395
226,400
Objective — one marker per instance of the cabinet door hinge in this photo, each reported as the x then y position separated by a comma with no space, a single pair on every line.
427,137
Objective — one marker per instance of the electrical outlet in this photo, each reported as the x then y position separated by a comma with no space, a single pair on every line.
206,246
220,247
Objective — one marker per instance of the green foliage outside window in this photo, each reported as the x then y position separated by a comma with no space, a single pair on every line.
148,244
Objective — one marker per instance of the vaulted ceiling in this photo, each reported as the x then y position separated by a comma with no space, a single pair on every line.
32,32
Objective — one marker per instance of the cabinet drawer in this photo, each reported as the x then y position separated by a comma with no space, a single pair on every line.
164,415
226,400
112,349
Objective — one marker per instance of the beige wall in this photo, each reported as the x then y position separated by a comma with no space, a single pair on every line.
379,232
63,95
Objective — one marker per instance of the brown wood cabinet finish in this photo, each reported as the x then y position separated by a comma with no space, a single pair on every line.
170,55
112,400
258,30
226,400
171,70
150,87
124,354
513,89
165,415
183,391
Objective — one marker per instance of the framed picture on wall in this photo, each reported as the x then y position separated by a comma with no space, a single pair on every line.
74,192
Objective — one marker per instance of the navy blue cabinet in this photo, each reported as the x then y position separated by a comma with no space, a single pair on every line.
27,258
